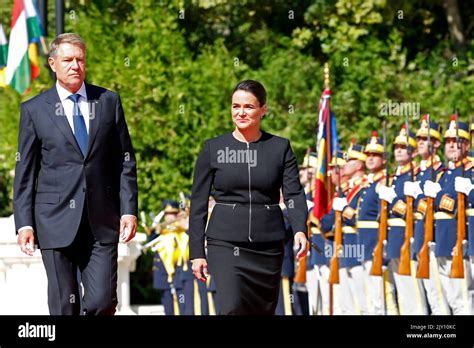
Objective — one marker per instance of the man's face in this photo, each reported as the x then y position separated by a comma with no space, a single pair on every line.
452,151
374,162
401,154
69,64
306,174
351,167
336,175
171,217
423,148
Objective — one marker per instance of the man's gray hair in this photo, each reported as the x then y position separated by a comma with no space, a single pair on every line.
71,38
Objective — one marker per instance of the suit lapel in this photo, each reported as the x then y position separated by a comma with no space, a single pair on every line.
95,107
58,117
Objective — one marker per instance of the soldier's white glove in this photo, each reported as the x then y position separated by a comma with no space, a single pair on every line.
387,193
339,203
463,185
412,189
464,248
431,189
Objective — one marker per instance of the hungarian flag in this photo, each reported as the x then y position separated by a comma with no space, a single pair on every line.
23,54
327,142
3,55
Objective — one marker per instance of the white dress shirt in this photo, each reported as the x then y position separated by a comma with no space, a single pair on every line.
68,104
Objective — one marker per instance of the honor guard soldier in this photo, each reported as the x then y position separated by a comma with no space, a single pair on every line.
367,221
410,294
192,294
353,299
171,251
285,302
463,185
317,274
328,229
428,138
446,215
317,271
466,186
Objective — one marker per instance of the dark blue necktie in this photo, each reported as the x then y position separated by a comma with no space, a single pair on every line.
80,130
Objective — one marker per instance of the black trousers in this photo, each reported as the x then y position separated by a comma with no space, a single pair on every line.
97,265
247,275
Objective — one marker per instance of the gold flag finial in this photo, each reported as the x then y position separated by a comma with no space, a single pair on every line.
326,75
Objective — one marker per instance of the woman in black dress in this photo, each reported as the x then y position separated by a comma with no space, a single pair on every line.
246,169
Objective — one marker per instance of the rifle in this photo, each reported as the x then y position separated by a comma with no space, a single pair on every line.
334,263
300,274
377,260
424,254
457,266
404,266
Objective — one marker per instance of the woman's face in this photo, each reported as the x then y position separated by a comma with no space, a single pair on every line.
246,110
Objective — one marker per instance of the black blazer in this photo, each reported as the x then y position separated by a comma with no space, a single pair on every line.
53,178
247,191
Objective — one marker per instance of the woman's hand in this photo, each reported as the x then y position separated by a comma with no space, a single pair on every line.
199,268
301,244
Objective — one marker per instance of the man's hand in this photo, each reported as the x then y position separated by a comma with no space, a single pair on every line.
463,185
301,244
412,189
199,268
339,203
431,189
387,193
128,228
26,241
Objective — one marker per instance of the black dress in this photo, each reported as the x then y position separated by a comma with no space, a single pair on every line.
246,230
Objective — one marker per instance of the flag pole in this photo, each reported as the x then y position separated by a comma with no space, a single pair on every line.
328,133
327,178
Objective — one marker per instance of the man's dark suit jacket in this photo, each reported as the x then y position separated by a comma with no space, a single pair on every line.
53,179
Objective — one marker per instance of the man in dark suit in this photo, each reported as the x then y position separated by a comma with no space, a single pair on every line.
75,189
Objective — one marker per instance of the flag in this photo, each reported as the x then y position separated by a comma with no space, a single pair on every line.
23,57
35,33
3,55
327,142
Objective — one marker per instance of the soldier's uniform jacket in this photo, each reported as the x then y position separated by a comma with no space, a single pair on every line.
316,255
328,226
349,220
368,214
349,258
397,210
446,208
424,174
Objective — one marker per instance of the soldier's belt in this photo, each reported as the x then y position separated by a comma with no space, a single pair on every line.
418,216
441,215
348,229
470,212
367,224
396,222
